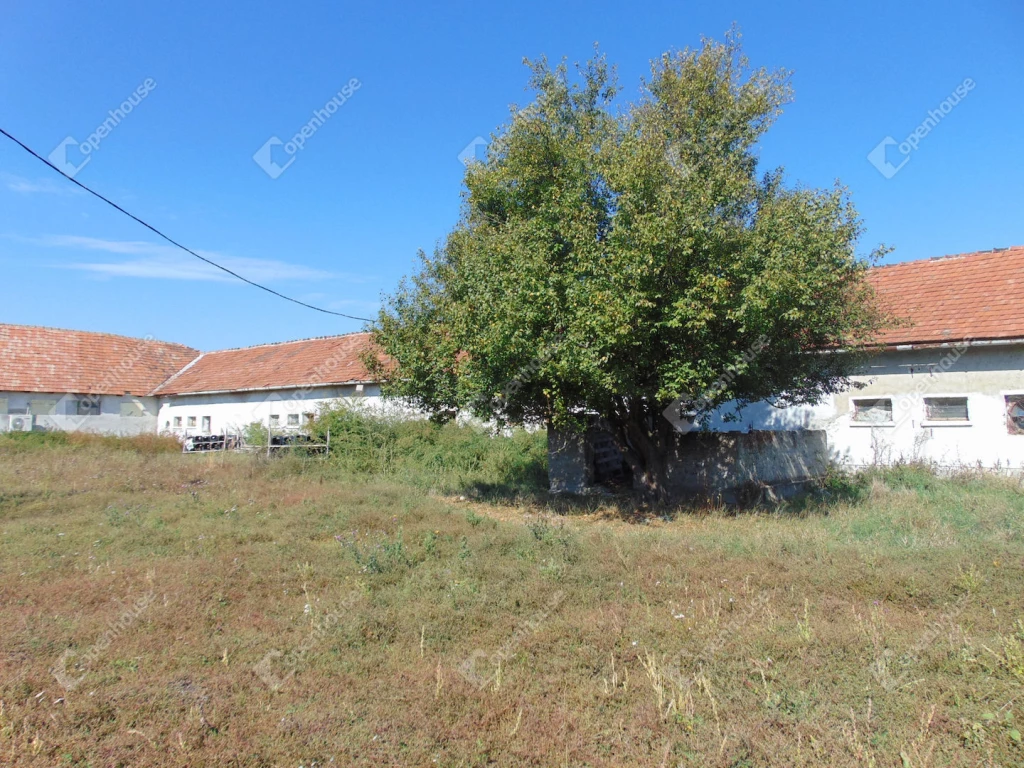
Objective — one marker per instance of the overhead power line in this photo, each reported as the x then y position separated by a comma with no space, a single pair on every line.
170,240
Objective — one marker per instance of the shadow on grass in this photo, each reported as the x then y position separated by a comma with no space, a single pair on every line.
836,489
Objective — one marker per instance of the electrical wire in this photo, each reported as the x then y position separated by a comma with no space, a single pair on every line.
173,242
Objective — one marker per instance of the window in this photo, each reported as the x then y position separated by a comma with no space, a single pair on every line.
874,411
1015,414
191,421
274,419
87,406
132,409
3,406
293,419
177,422
945,408
206,423
42,407
308,417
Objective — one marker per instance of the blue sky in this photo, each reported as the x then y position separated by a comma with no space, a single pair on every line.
380,178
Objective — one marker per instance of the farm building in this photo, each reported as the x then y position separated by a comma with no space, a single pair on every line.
74,380
277,385
52,379
946,388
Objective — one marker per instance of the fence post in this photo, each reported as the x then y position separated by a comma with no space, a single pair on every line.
270,439
328,453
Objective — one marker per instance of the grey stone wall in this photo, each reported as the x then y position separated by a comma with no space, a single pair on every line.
733,467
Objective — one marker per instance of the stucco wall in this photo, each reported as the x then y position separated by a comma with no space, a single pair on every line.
64,415
230,413
984,374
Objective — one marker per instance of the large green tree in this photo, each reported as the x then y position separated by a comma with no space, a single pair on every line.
616,261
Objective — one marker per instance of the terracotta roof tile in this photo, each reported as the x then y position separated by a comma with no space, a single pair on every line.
952,298
328,360
35,359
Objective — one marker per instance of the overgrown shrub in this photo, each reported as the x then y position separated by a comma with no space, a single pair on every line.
449,457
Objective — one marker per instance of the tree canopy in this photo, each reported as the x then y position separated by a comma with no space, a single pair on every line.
613,260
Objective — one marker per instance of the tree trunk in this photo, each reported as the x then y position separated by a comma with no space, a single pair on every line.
646,440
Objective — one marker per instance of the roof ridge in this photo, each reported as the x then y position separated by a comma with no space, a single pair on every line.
99,333
290,341
949,256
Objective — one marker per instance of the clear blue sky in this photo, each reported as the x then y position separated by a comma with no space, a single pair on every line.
381,177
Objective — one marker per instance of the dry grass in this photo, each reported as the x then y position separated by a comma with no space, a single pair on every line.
222,610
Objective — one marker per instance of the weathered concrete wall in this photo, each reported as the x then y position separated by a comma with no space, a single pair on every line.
733,467
568,468
119,414
986,375
741,466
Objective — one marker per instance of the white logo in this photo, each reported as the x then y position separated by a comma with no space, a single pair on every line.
472,152
264,155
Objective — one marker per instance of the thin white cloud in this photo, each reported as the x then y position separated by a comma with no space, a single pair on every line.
33,186
165,262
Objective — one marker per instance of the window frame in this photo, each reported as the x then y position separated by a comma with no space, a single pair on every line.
132,409
190,421
92,404
856,401
50,407
178,422
929,421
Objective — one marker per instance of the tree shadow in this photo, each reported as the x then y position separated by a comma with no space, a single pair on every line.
818,498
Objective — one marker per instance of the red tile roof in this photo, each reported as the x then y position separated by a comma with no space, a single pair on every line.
309,362
35,359
978,296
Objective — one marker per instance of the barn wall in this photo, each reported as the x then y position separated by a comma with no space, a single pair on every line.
986,375
231,412
119,414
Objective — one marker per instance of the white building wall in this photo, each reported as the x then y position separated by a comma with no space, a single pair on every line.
984,374
118,414
231,412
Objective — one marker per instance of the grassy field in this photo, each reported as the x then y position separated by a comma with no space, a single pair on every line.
225,610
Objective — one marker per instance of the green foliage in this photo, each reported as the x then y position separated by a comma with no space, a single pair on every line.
28,442
255,434
613,262
449,457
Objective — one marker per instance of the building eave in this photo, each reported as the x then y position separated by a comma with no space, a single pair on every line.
275,388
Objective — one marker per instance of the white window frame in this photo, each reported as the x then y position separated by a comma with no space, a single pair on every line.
207,424
930,423
178,422
861,424
191,422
